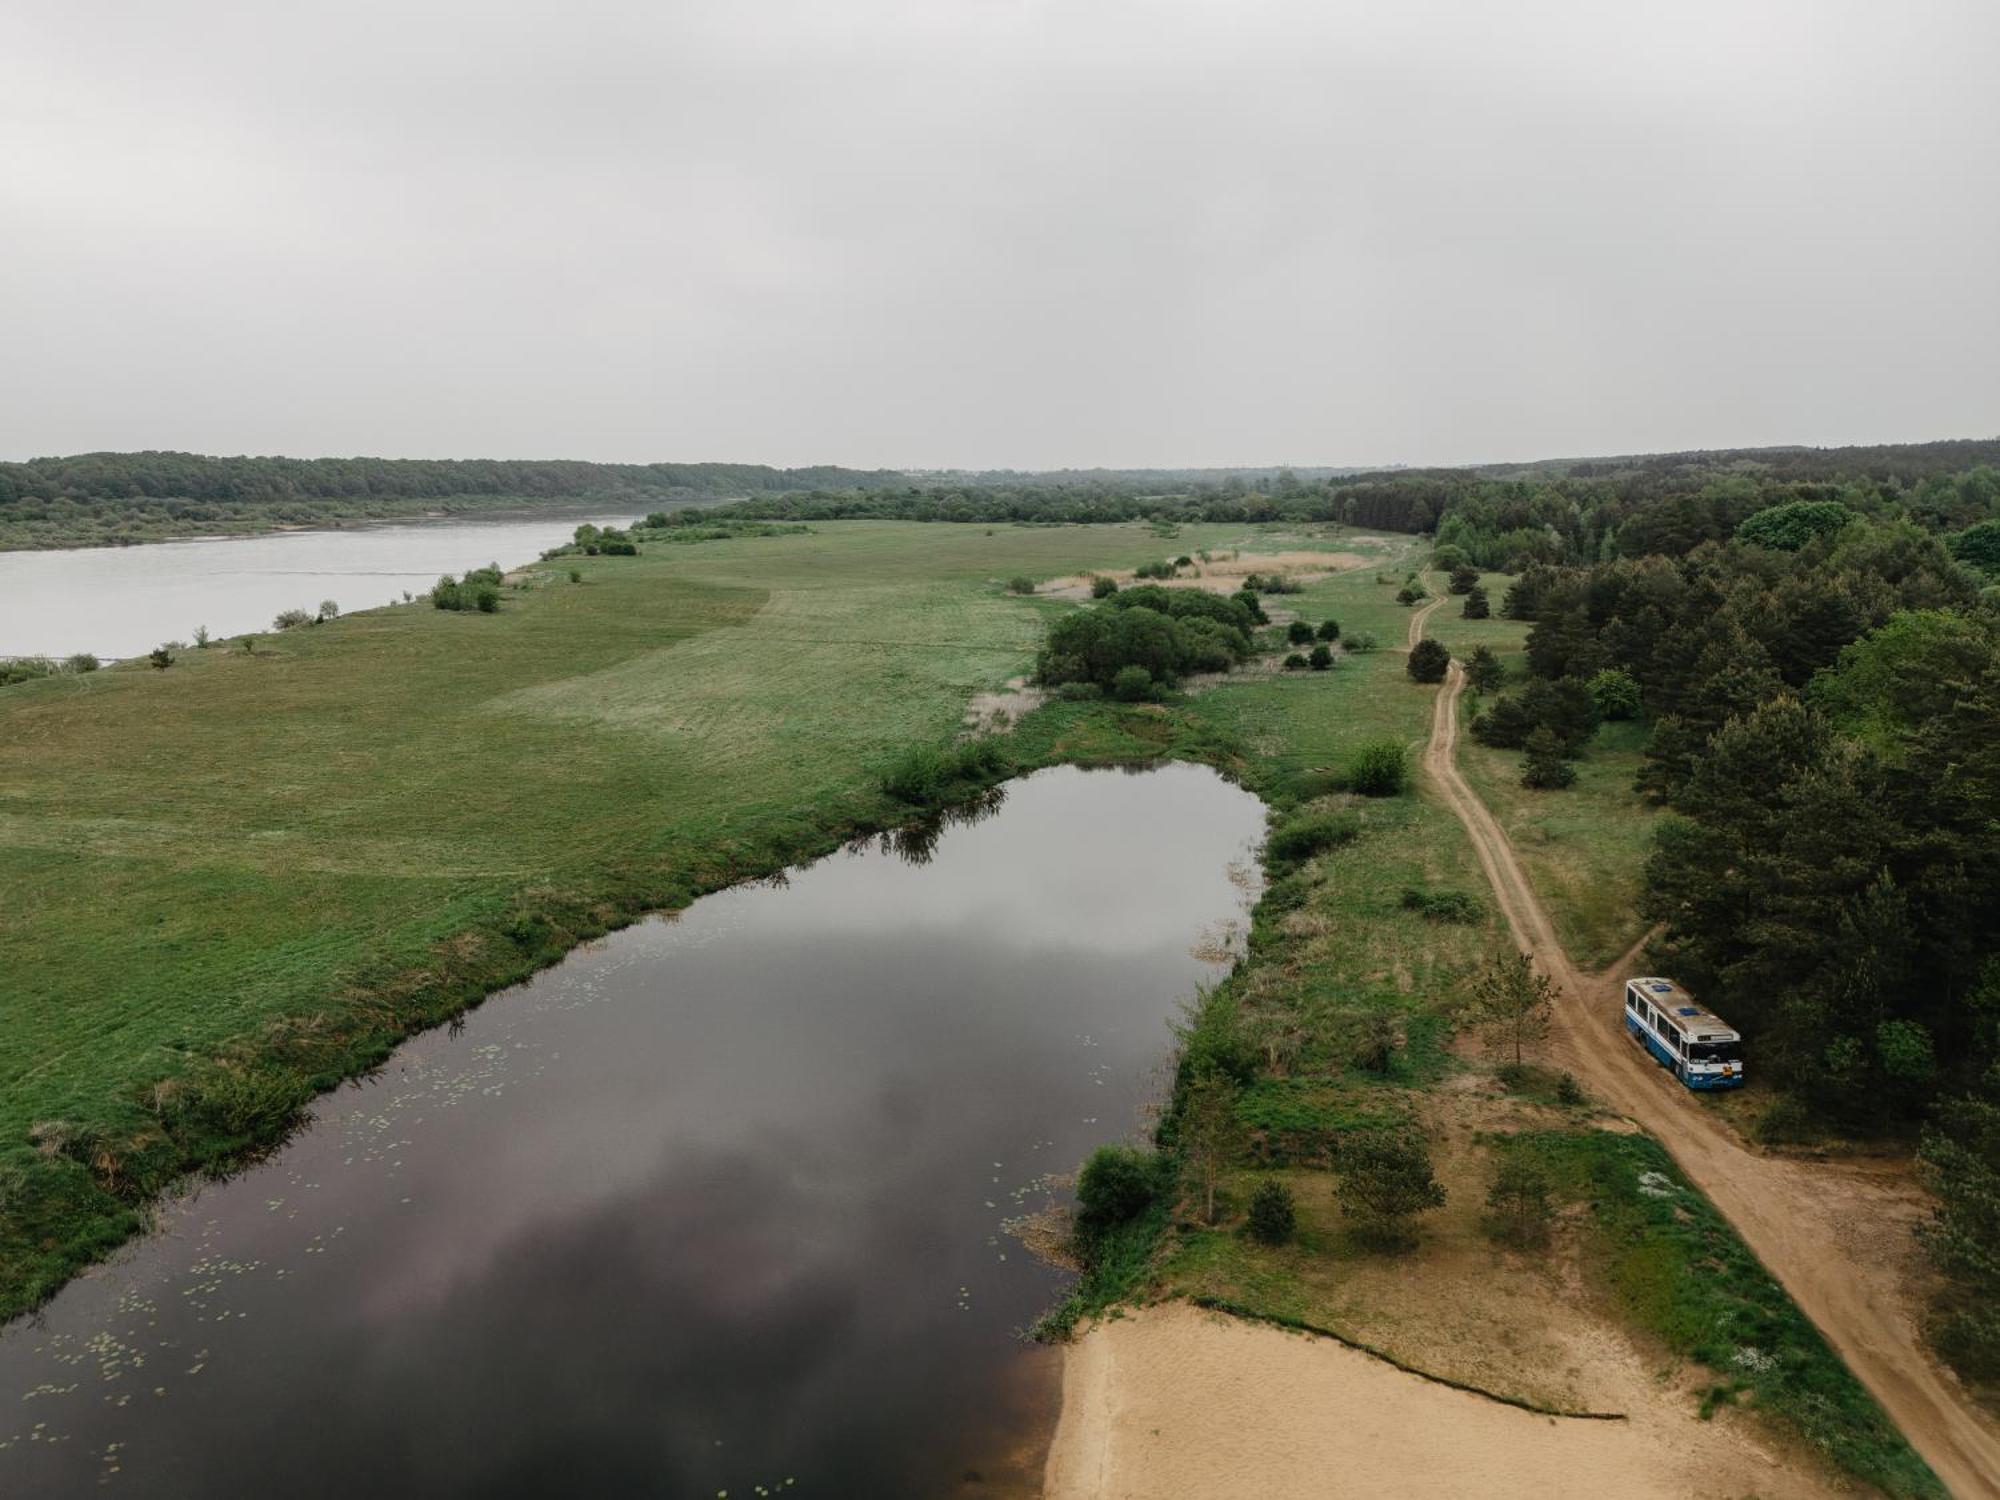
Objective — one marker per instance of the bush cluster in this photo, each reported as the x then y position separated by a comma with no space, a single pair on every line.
1293,843
478,590
1442,906
1379,769
933,775
1167,633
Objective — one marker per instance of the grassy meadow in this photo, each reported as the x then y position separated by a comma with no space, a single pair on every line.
229,883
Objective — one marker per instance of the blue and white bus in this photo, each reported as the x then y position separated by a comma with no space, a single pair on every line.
1696,1044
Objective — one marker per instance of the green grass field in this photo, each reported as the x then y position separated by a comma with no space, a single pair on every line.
365,824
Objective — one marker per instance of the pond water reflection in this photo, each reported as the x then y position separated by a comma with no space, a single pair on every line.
718,1202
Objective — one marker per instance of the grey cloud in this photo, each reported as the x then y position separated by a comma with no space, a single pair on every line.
996,232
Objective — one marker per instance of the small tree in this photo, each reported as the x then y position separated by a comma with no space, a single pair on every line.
160,657
328,610
291,619
1117,1184
201,637
1483,670
1329,630
1378,769
1477,605
1321,659
82,661
1102,587
1544,769
1020,585
575,576
1133,684
1274,1213
1615,693
1518,1201
1411,593
1428,661
249,645
1464,579
1211,1136
1511,1003
1383,1180
1298,633
1295,663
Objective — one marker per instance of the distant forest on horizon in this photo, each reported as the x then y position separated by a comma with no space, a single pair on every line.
97,499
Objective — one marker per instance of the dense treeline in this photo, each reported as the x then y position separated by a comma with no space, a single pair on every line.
97,498
1822,683
1828,881
1556,513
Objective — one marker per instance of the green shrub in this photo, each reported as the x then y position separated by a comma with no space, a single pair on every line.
1117,1184
1615,693
329,610
1329,630
1295,663
1569,1093
1079,692
25,669
82,661
1299,840
1464,579
1020,585
1298,633
1102,587
1483,670
160,657
576,575
1384,1180
1443,906
931,775
1361,640
1274,1214
1133,684
1321,658
1378,769
1518,1201
485,598
1544,769
292,619
1477,605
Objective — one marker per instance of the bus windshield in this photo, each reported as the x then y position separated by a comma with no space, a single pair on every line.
1711,1051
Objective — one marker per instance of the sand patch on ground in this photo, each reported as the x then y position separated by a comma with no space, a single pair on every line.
1222,574
1172,1401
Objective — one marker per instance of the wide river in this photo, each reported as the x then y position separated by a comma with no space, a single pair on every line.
720,1202
124,601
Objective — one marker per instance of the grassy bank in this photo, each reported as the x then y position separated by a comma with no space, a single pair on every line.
1335,956
226,885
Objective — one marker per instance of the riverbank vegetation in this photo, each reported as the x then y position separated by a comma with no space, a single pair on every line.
231,884
1345,1042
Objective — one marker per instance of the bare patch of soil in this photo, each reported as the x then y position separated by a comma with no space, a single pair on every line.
1175,1401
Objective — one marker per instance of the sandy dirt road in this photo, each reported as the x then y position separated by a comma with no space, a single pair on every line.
1838,1236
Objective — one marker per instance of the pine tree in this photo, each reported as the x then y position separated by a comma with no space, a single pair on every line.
1544,769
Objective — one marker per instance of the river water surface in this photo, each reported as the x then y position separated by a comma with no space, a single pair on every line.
720,1202
124,601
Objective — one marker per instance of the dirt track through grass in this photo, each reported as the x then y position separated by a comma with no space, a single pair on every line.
1836,1236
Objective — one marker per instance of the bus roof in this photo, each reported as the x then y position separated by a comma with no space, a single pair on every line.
1681,1011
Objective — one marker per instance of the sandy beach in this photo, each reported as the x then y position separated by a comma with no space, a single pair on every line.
1175,1401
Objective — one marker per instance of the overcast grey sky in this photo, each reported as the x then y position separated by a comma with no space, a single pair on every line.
996,232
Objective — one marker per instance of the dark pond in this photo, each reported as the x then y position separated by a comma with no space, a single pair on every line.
721,1202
